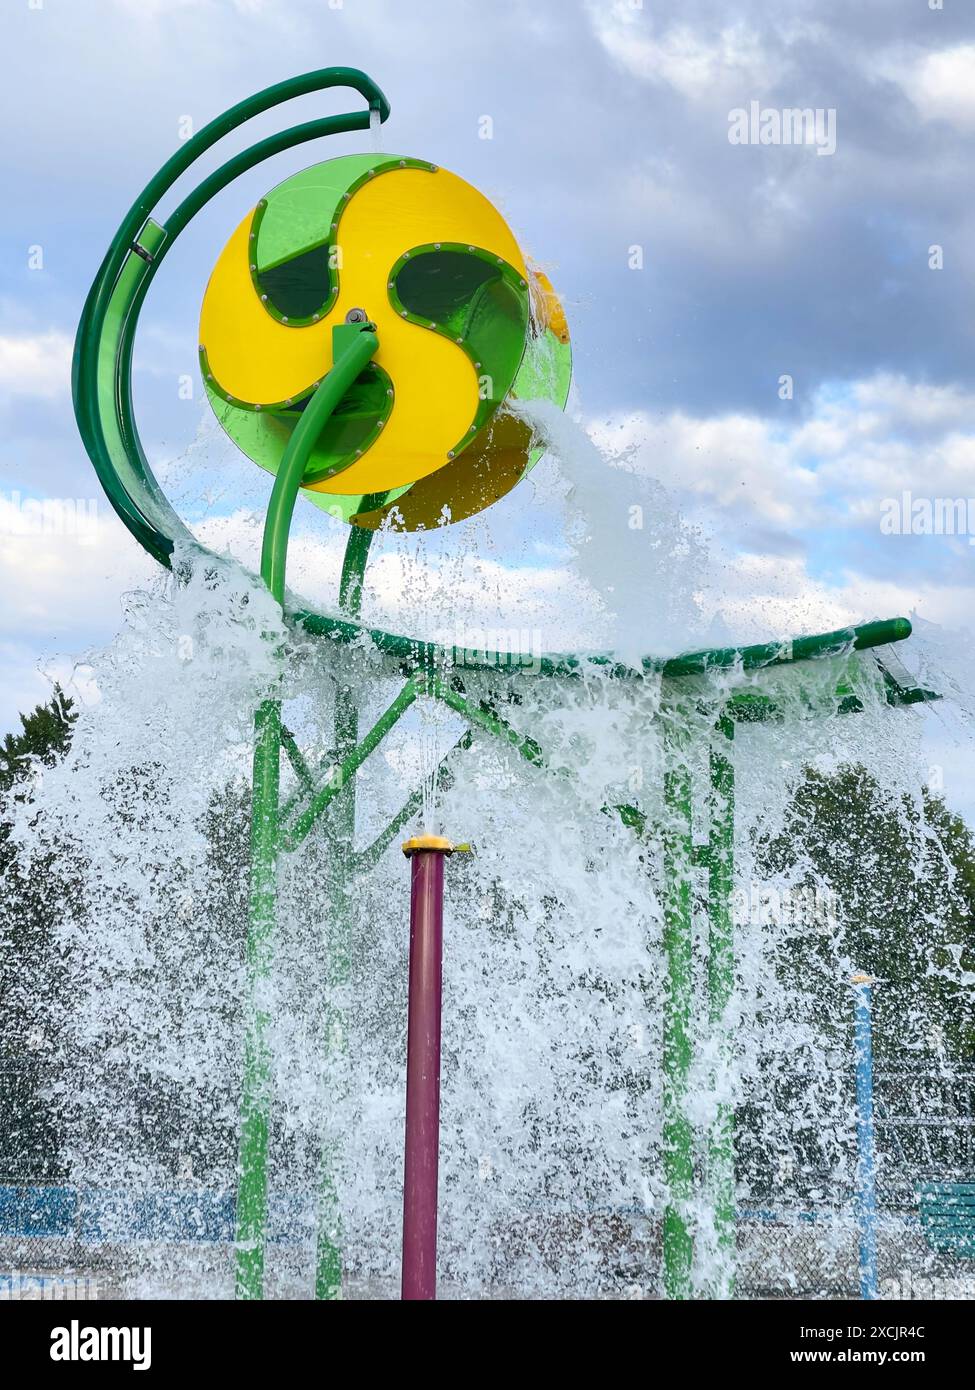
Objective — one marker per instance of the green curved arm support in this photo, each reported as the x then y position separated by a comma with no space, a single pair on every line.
101,370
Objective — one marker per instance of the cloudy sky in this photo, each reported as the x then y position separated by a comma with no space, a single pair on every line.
697,274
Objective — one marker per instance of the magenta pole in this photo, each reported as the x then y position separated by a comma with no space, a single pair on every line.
426,853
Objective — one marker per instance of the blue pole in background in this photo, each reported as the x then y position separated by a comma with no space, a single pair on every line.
866,1146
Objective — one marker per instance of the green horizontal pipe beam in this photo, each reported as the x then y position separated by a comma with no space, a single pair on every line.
415,654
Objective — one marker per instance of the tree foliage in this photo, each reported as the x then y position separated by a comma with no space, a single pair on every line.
903,875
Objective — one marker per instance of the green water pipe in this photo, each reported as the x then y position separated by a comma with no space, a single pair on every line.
353,347
255,1106
485,718
342,871
721,983
101,368
680,859
678,856
411,652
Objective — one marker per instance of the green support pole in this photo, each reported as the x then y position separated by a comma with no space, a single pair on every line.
677,1156
328,1257
255,1105
354,346
721,983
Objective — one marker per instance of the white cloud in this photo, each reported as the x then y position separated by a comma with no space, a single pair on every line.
692,63
66,580
942,84
915,402
774,595
869,441
733,462
37,364
63,591
150,9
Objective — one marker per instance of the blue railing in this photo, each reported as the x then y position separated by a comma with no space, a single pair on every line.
100,1216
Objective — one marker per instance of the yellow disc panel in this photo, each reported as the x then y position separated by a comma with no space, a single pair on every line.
257,360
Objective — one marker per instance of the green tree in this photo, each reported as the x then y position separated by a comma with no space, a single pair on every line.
46,736
903,876
30,1139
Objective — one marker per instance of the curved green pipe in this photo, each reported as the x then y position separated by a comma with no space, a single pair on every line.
413,653
105,417
354,348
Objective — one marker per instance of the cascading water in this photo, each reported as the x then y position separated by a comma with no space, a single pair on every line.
552,1146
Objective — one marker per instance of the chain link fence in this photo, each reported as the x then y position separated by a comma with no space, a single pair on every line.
793,1244
797,1234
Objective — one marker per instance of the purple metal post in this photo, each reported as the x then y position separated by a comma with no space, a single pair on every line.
423,1067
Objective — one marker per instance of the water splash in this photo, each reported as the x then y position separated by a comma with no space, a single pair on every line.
555,964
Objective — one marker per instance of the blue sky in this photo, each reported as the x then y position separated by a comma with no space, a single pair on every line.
610,131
